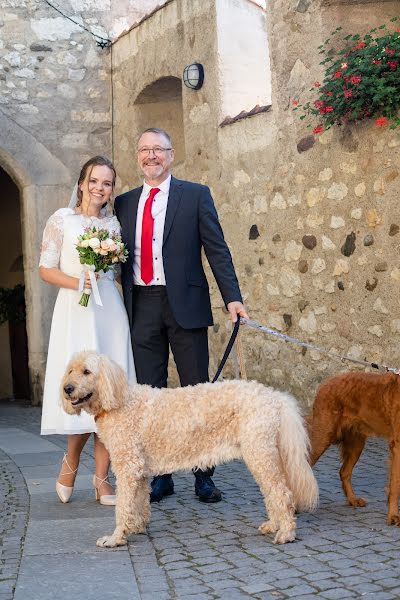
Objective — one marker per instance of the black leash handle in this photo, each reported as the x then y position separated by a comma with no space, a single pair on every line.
227,349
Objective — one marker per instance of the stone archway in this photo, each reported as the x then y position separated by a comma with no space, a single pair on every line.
43,181
159,104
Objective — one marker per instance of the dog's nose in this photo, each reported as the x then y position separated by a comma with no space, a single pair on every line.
69,388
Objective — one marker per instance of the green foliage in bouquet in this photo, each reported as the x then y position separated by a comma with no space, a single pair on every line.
362,80
99,250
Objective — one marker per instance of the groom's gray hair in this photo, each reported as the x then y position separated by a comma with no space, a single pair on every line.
159,131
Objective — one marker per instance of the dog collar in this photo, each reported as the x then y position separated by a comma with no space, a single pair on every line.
102,414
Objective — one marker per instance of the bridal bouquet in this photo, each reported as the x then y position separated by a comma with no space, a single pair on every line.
99,250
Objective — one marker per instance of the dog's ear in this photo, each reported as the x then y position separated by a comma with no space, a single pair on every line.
112,384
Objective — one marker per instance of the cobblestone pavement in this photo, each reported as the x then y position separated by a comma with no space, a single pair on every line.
14,507
197,551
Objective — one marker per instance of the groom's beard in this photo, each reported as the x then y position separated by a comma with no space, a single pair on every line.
153,170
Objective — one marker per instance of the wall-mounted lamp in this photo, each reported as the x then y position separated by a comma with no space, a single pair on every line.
193,76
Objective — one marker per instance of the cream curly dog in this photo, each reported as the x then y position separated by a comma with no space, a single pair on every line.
151,431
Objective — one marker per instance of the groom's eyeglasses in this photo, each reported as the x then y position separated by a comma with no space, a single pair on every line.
158,151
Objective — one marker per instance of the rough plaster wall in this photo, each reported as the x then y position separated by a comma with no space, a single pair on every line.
317,243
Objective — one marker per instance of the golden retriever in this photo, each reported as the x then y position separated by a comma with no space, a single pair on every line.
348,409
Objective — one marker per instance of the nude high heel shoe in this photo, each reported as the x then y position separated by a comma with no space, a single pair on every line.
106,500
64,492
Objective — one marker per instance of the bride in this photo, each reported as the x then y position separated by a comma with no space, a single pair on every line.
74,327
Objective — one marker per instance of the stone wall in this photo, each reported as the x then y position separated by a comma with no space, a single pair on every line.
314,233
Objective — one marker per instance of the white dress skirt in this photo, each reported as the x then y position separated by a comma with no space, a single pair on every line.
104,329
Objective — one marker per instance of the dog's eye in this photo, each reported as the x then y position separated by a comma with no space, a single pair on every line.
86,372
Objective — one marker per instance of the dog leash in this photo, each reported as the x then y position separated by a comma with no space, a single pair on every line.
342,358
227,349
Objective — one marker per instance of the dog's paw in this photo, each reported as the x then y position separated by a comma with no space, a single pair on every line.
111,541
284,536
393,520
267,527
358,502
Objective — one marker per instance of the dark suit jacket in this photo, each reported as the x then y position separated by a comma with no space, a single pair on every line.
191,223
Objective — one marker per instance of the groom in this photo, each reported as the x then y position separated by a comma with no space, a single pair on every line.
165,224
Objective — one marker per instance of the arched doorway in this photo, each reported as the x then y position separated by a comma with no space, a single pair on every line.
43,182
160,105
14,373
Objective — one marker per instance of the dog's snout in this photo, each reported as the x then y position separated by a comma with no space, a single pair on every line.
69,388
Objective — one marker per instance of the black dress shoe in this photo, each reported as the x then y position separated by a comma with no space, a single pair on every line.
205,488
161,486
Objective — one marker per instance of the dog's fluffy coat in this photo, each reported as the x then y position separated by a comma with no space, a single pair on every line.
348,409
151,431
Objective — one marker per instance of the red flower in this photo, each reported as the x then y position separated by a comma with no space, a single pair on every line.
337,74
329,93
328,108
322,110
345,78
376,62
319,103
398,30
318,129
348,93
317,84
389,51
361,44
381,121
295,102
392,64
355,79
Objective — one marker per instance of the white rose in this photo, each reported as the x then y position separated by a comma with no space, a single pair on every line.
94,242
109,242
84,243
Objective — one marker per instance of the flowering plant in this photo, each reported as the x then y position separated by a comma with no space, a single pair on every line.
99,250
362,80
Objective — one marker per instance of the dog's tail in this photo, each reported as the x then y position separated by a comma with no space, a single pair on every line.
294,448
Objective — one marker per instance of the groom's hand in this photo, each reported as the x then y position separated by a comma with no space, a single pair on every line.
236,309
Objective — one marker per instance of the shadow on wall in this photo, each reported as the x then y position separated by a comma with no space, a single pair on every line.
160,105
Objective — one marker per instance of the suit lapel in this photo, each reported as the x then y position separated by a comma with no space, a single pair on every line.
131,215
174,198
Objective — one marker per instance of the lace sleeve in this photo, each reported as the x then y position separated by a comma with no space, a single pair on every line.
52,242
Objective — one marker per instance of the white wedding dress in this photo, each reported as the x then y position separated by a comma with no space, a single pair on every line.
75,327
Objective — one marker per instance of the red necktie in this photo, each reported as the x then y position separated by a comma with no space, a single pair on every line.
146,251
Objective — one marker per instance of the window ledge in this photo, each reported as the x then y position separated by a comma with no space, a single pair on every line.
246,114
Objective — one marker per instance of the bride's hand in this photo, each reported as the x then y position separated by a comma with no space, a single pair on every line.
87,283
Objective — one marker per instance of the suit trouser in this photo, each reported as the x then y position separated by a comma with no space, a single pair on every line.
154,330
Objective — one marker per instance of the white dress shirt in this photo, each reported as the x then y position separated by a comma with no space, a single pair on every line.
158,211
